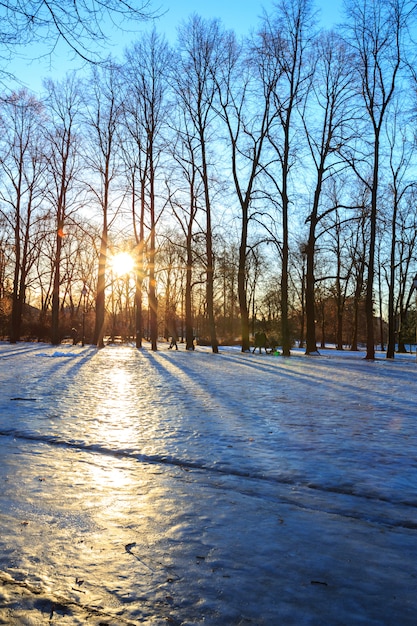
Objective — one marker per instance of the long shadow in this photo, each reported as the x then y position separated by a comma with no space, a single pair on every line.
306,497
170,367
8,351
321,370
175,371
56,373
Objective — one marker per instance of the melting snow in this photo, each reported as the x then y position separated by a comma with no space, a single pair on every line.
199,489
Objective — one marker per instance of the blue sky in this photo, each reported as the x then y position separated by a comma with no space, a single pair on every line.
239,15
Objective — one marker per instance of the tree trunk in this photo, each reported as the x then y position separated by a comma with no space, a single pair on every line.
369,303
209,250
189,333
100,296
55,333
391,312
16,315
241,282
153,304
139,312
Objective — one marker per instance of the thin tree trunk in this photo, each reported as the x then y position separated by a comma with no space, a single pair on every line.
285,330
100,297
209,251
370,340
189,333
391,313
153,304
55,334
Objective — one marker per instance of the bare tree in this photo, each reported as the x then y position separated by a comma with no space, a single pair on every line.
133,151
103,111
287,35
359,235
23,167
401,155
406,254
227,277
375,33
63,102
326,119
200,52
339,243
247,116
185,200
148,63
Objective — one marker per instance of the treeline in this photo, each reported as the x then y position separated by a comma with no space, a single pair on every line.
265,182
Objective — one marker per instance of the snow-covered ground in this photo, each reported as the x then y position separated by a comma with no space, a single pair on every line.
198,489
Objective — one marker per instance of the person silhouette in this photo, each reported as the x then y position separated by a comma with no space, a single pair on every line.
173,343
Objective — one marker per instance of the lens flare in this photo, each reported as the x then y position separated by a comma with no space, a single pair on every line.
122,263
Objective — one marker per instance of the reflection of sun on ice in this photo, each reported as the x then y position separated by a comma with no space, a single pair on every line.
122,263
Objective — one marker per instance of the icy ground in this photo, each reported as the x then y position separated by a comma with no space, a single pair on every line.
197,489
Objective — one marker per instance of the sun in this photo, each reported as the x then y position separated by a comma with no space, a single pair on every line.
122,263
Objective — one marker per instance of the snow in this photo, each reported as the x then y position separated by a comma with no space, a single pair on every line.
190,488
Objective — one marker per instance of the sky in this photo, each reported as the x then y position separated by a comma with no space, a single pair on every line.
240,15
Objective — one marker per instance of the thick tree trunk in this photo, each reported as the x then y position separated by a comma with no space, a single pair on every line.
241,282
311,343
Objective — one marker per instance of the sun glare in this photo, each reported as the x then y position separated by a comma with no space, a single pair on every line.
122,263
